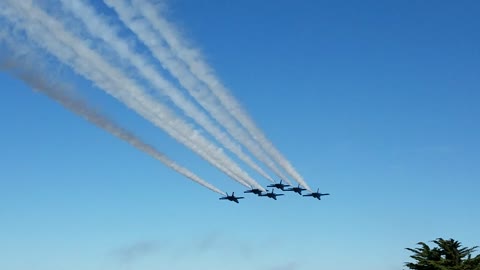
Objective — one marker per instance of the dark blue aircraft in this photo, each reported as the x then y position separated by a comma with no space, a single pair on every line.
231,198
279,185
316,195
254,191
272,195
296,189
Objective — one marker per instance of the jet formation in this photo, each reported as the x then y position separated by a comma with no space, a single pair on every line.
273,195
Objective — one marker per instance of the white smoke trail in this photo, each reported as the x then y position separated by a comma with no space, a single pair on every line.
130,16
203,72
56,91
99,27
51,35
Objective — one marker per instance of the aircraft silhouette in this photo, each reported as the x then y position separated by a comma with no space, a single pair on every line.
272,195
254,191
296,189
316,195
231,198
279,185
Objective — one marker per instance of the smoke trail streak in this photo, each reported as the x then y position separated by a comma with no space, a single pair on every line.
196,89
100,28
51,35
203,72
56,91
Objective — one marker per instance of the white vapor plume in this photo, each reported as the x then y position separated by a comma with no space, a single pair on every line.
57,91
52,36
100,28
146,30
203,72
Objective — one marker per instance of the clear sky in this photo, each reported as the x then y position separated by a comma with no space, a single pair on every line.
375,102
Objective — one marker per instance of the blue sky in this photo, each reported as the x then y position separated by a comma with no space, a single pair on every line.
374,102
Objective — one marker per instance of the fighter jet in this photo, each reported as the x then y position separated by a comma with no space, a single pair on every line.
279,185
231,198
316,195
296,189
272,195
254,191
